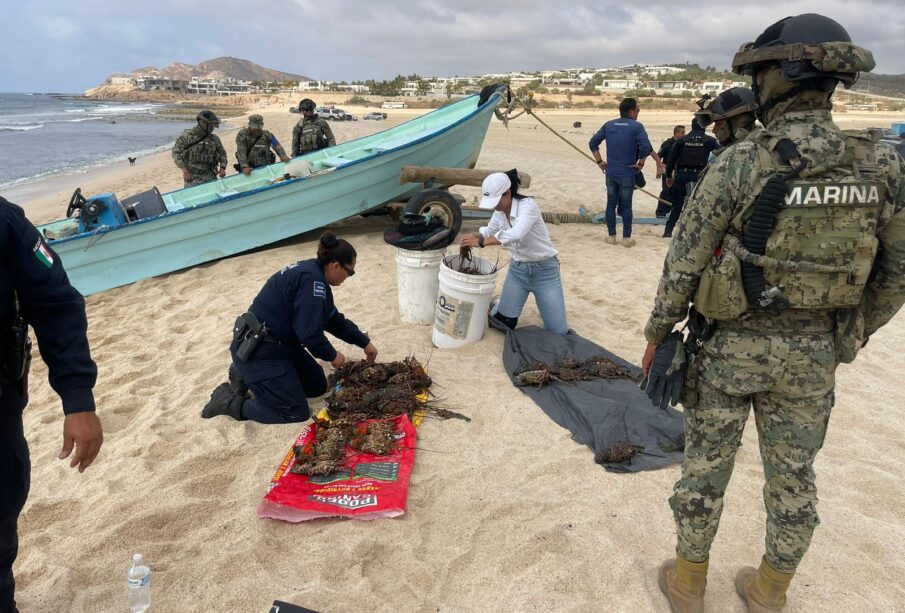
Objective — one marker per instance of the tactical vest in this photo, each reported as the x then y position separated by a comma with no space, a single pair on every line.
821,249
205,153
694,153
260,153
312,137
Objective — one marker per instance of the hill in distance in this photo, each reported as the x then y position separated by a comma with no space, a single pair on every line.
892,85
220,68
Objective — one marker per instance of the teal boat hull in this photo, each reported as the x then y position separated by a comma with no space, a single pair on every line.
239,213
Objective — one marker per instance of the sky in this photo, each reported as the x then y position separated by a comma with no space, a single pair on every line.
65,46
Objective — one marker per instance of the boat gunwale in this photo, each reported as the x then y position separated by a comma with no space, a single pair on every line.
103,230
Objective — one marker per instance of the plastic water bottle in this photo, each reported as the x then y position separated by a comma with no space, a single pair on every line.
139,581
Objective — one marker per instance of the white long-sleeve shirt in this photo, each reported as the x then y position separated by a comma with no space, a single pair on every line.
524,233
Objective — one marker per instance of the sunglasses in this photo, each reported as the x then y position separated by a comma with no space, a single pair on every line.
349,271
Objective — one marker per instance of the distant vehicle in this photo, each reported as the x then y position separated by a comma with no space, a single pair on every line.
376,116
394,105
294,109
347,116
330,114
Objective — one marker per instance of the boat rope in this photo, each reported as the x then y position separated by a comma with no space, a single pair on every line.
558,218
589,156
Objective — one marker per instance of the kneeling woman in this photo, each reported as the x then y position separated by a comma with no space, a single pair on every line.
274,342
517,225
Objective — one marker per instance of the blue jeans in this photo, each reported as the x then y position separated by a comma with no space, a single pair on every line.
619,190
541,279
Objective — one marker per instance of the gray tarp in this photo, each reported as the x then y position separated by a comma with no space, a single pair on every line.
599,412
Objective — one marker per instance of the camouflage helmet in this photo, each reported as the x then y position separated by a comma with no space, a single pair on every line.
207,117
307,105
255,121
808,46
730,103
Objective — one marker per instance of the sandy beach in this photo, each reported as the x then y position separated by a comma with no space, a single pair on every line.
505,513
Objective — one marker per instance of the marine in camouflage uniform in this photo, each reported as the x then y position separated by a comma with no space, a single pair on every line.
254,144
781,362
310,134
199,152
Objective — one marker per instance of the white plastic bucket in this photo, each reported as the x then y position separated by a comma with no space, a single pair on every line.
417,283
462,303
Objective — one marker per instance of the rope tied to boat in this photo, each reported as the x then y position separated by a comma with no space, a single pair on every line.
528,108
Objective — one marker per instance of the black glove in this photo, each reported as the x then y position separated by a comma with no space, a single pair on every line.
663,383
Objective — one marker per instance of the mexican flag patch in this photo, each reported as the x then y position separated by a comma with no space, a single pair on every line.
43,253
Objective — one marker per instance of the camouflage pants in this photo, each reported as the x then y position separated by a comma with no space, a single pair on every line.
789,381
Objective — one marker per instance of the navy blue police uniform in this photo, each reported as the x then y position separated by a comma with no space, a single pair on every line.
32,274
296,305
687,158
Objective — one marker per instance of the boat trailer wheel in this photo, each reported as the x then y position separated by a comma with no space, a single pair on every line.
76,202
437,202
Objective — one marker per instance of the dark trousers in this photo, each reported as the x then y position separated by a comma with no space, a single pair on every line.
679,186
281,380
665,194
15,469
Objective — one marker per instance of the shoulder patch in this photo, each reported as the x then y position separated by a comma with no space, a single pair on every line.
320,290
43,253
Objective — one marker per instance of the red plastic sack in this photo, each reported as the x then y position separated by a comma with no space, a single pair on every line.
366,487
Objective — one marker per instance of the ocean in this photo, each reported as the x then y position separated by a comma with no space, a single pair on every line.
44,134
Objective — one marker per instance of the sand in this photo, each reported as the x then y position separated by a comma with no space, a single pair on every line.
505,513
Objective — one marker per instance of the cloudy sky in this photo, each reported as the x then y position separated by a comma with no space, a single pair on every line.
60,45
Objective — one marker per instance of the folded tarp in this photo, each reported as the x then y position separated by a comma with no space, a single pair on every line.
600,412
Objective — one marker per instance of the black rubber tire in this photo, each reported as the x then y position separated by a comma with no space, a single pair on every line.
437,202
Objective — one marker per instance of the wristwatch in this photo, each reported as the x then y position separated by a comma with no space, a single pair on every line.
480,240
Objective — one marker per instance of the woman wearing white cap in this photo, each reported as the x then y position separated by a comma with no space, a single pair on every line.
517,225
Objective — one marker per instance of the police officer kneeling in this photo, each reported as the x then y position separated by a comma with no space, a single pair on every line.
273,343
35,291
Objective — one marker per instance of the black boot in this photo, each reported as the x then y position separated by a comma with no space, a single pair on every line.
236,384
668,232
224,402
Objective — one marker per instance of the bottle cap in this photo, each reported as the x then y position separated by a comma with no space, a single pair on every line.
137,558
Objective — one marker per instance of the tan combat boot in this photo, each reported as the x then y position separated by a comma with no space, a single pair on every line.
683,583
610,240
763,589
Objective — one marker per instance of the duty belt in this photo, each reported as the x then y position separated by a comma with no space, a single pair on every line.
690,169
791,324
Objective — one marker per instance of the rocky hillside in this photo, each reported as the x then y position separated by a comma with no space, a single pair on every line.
892,85
219,68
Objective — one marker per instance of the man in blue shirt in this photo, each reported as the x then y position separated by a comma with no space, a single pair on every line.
627,146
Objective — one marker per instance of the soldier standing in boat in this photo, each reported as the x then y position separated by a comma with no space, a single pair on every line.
311,132
199,152
257,147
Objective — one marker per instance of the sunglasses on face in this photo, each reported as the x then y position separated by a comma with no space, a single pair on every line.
349,271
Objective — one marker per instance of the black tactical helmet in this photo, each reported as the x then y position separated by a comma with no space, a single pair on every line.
208,117
730,103
307,105
808,46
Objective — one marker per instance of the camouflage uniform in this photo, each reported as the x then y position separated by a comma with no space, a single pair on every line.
782,363
201,152
254,150
311,134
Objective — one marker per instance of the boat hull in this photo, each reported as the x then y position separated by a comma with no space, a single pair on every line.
238,222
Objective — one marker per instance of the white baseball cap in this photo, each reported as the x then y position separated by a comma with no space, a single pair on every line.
493,188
